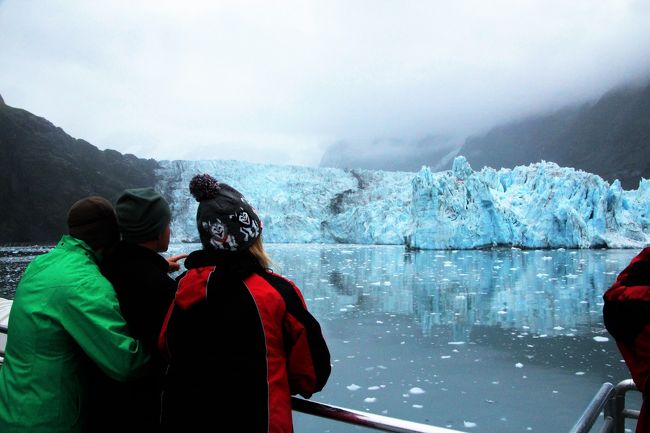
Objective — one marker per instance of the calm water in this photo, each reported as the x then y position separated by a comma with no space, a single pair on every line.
481,341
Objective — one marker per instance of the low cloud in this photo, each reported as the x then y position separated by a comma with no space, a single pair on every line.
277,82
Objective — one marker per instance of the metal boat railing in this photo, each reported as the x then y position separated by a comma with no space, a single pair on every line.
364,419
610,401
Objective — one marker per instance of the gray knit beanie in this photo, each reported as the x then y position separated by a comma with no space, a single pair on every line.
142,214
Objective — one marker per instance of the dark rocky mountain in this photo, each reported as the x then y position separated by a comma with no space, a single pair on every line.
43,171
609,137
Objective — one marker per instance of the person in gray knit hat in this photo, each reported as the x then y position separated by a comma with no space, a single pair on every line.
140,277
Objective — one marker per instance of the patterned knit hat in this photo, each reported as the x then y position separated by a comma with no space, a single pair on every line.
226,221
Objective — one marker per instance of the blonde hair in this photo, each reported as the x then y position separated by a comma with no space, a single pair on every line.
257,249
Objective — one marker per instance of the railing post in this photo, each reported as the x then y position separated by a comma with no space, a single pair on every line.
619,404
614,410
595,406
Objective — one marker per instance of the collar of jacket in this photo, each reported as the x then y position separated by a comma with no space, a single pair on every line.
241,264
129,252
217,267
68,242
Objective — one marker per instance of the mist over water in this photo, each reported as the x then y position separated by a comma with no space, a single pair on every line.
502,340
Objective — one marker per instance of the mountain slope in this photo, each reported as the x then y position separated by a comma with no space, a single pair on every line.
610,137
43,171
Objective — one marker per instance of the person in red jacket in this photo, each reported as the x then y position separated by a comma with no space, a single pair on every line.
626,313
239,337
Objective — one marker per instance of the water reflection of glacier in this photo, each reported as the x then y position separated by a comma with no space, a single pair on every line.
540,292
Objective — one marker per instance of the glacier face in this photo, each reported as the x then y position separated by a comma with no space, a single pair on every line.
537,206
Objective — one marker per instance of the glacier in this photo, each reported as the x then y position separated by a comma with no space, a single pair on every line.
541,205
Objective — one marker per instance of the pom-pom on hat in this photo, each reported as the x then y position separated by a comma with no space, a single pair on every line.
92,219
225,219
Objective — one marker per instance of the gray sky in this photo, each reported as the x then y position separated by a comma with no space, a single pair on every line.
278,81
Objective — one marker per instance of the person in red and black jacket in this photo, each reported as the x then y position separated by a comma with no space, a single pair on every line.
239,338
626,313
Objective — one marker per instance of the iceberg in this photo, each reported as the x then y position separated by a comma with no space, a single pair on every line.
541,205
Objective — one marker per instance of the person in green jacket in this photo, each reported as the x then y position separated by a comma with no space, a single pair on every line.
65,317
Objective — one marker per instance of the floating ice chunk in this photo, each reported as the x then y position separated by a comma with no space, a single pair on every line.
519,365
456,342
373,388
469,424
416,390
417,406
580,373
600,339
353,387
445,357
369,399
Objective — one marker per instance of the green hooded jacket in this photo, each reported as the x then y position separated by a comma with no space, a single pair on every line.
65,317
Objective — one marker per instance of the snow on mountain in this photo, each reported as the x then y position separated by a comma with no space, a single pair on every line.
537,206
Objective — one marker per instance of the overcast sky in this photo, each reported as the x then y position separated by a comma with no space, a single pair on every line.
278,81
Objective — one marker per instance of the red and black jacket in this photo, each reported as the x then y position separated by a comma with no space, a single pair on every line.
241,335
626,313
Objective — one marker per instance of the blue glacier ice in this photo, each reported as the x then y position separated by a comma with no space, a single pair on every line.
541,205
